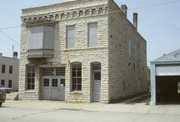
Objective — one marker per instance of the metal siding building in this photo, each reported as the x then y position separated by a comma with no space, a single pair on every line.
165,77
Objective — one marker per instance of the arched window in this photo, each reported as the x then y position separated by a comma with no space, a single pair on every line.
30,69
76,76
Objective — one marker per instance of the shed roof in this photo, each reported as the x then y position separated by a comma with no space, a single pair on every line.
169,58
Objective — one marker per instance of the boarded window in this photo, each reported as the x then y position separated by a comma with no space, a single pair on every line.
70,36
93,34
41,37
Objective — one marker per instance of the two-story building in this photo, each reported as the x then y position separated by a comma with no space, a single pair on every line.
9,71
81,51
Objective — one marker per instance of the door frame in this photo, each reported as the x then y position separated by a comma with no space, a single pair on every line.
50,86
92,85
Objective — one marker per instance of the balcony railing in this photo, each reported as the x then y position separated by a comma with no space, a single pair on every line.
40,53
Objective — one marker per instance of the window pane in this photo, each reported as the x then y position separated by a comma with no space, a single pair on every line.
46,82
70,36
54,82
2,82
3,70
10,69
93,34
10,84
35,37
76,76
60,71
97,75
30,76
63,82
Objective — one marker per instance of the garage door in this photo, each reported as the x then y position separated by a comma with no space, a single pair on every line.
53,88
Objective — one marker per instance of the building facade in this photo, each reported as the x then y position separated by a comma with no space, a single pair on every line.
81,51
165,79
9,71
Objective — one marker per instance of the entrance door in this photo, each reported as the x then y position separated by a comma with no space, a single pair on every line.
53,88
96,95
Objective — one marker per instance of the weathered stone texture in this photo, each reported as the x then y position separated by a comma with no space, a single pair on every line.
112,51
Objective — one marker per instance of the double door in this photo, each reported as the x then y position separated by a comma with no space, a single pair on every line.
53,88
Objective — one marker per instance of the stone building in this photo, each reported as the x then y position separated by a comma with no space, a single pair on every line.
81,51
9,71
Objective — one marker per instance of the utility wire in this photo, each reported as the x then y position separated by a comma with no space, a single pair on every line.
10,27
155,5
9,37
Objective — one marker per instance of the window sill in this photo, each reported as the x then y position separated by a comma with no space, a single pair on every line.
30,91
87,48
76,93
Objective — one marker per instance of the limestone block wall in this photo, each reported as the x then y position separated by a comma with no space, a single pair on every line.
78,13
86,55
128,75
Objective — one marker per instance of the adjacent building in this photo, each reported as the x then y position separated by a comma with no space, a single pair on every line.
81,51
9,71
165,79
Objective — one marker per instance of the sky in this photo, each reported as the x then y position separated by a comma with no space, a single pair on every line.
158,23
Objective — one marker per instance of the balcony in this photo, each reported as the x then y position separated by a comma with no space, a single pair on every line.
40,53
40,42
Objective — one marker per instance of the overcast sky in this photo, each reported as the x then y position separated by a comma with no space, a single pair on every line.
159,23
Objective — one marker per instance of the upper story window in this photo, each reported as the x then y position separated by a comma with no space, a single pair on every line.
70,36
3,69
41,37
10,69
92,34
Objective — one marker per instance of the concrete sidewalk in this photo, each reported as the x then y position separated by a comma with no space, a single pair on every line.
118,107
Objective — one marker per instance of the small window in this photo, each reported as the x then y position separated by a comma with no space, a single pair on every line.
46,82
48,71
96,69
76,77
60,71
10,69
2,82
70,36
10,84
54,82
93,34
63,82
3,70
30,77
97,75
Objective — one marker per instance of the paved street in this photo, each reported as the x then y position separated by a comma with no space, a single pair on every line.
62,115
54,111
